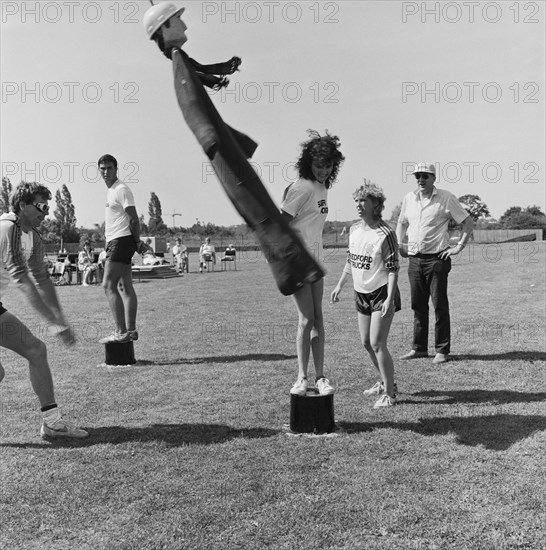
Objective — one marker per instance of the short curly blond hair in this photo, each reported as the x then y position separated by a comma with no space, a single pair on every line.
372,190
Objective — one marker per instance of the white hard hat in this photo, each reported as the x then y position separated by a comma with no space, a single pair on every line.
158,14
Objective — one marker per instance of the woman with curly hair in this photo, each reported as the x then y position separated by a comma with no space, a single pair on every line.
373,263
305,207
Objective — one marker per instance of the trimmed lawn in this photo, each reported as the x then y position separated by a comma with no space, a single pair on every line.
189,450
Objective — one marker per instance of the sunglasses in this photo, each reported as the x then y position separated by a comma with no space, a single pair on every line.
422,176
41,206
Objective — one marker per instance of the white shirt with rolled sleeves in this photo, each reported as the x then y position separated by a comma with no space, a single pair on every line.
427,220
307,202
118,198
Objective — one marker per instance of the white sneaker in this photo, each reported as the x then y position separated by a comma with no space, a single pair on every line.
324,387
62,429
377,389
300,387
385,401
116,338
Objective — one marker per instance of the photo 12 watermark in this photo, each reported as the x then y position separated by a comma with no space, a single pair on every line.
270,12
528,172
471,12
49,13
69,92
471,92
279,92
53,172
259,333
268,171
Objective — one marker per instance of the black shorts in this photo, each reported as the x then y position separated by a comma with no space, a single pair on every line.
2,309
368,303
121,250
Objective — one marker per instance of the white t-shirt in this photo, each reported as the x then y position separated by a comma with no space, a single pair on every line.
118,198
307,202
372,254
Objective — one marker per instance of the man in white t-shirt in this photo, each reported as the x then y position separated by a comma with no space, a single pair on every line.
22,261
122,233
424,218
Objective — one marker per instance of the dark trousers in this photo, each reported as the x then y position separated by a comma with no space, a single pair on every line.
428,280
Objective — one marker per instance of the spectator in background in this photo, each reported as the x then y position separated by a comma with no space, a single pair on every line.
101,261
207,253
229,254
149,257
86,264
180,255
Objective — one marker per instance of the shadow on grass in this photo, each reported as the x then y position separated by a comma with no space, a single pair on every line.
221,359
477,396
497,432
507,356
174,435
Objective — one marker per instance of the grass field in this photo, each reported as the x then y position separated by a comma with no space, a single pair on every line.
189,450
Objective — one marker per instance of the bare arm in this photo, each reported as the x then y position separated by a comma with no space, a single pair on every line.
334,296
468,226
134,225
401,230
388,306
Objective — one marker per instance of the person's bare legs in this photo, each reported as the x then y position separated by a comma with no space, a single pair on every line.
317,332
364,322
129,297
379,332
310,335
14,335
121,295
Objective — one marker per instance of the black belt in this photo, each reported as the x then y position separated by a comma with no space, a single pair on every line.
427,256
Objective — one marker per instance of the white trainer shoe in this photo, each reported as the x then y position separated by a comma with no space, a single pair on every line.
385,401
300,387
377,389
116,338
324,387
62,429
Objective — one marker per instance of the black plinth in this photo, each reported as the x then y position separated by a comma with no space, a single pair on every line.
120,354
312,413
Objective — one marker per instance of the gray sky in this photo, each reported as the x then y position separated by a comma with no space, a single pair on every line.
458,84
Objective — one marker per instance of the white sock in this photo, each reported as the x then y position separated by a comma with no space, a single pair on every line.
51,416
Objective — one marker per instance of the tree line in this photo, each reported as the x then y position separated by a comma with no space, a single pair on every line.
62,227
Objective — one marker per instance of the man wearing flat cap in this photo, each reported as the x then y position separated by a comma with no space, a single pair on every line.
424,219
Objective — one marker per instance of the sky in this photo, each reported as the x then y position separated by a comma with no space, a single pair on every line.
457,84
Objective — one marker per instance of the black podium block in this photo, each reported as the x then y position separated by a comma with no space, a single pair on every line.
120,354
312,413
